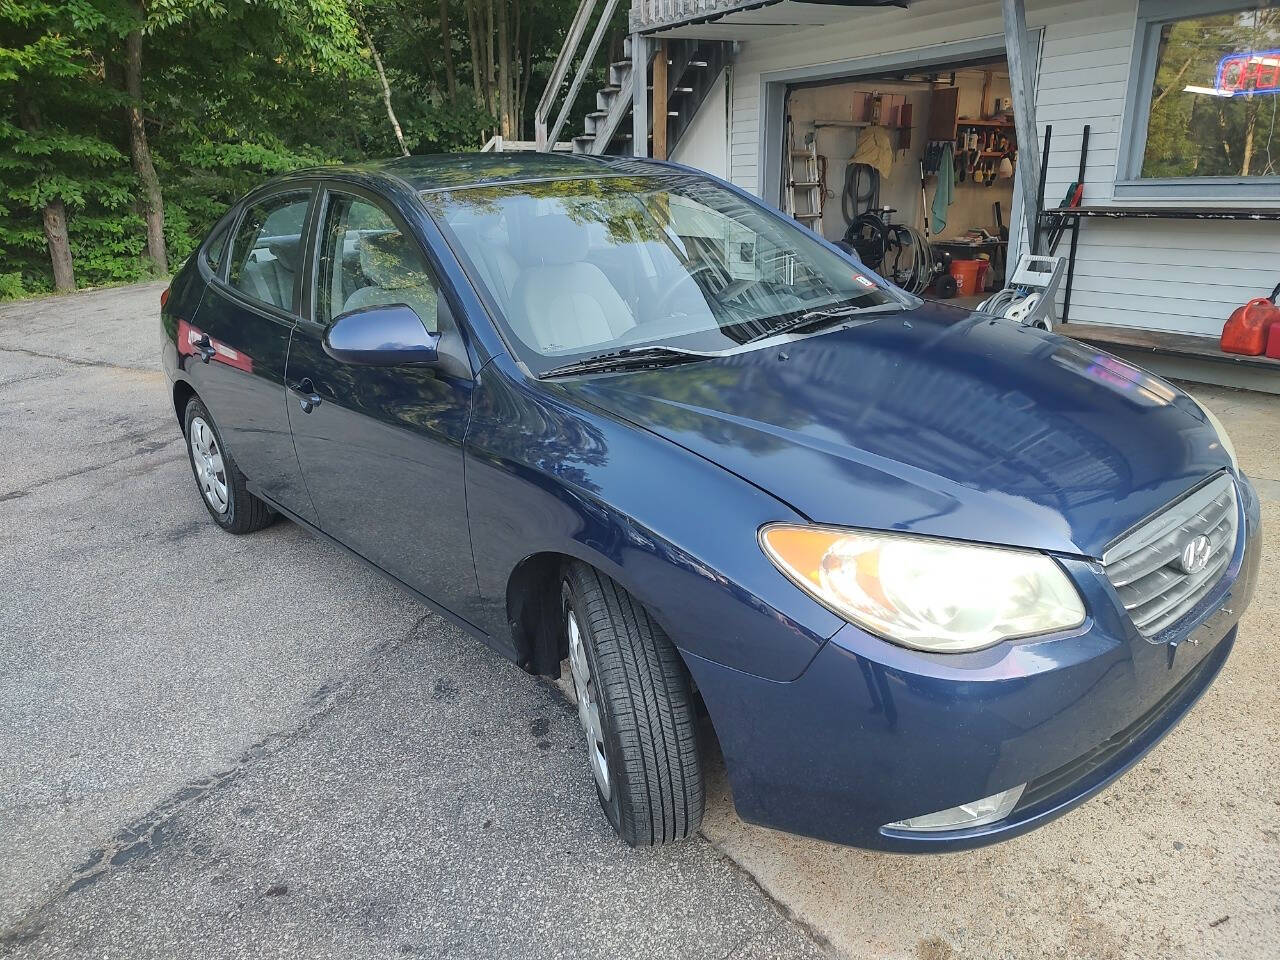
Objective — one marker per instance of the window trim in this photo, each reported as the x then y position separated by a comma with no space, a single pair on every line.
263,196
1129,184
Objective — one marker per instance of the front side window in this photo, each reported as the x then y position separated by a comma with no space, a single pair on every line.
582,267
366,261
1211,88
267,247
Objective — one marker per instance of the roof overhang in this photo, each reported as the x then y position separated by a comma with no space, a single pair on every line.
757,19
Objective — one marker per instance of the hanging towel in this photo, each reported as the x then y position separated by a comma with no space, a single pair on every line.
875,150
945,192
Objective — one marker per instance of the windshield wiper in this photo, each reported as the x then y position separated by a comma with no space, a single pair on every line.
821,315
630,358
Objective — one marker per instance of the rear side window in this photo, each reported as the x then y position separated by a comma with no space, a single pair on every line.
267,249
216,247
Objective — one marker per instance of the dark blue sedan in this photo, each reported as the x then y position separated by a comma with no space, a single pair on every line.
934,577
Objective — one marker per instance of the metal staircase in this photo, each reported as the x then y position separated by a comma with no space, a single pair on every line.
693,66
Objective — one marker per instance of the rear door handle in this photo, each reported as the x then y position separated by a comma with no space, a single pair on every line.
205,348
308,399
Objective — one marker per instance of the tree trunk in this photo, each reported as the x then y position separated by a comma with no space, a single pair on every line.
54,215
55,232
386,87
450,76
1251,124
477,54
526,66
140,152
490,72
505,86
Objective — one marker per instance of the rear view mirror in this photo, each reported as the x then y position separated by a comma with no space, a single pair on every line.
381,336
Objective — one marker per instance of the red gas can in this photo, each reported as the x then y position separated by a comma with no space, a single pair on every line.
1273,342
1249,327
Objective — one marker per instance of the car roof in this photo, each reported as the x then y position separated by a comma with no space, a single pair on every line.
447,171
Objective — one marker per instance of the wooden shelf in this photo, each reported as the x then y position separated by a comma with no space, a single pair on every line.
1165,344
962,122
1168,213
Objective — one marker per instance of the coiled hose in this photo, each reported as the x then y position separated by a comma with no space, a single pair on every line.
861,190
1001,301
913,265
877,242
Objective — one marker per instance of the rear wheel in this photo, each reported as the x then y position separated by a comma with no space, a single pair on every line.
221,484
636,708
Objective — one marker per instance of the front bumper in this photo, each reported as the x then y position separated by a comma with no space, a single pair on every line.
872,733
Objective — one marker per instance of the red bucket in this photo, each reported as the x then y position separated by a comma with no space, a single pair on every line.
966,275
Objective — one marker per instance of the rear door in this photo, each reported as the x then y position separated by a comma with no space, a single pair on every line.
382,450
243,327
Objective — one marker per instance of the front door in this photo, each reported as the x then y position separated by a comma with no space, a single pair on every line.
242,327
382,450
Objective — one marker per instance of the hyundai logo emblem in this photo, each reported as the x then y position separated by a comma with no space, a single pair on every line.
1195,555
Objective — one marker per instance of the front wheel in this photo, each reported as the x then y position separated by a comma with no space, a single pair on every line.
636,707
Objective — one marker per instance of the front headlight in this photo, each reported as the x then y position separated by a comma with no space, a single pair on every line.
1227,446
930,594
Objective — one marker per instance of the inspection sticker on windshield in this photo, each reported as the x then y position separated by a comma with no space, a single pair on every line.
863,280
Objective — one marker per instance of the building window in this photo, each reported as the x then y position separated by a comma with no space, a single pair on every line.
1204,109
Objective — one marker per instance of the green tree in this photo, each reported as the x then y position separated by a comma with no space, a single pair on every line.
321,29
127,126
51,157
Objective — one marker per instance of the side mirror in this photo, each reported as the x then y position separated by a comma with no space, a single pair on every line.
381,336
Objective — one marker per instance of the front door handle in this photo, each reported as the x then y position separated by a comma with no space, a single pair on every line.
308,399
205,348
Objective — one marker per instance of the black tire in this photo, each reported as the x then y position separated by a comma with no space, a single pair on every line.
244,513
646,710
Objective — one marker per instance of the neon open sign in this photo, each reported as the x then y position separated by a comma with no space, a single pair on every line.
1252,72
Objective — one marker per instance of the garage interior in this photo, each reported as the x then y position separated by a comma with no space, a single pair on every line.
871,162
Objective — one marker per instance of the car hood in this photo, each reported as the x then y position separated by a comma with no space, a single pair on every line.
934,421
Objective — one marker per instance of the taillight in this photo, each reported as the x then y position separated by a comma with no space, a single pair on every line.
164,298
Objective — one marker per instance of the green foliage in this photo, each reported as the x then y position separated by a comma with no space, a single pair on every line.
50,145
11,286
234,91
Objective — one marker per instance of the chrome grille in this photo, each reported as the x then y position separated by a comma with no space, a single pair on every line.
1144,564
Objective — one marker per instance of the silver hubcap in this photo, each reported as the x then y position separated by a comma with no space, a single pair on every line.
588,708
207,458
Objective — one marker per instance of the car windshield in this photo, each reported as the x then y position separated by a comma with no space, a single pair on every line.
583,267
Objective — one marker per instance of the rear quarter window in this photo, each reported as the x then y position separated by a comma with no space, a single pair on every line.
215,248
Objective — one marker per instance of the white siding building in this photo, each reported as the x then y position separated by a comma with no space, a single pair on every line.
1154,282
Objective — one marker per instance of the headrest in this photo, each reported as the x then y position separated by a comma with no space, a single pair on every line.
392,261
494,230
550,240
286,250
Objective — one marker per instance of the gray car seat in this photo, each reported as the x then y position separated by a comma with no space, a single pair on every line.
393,265
490,249
561,301
271,281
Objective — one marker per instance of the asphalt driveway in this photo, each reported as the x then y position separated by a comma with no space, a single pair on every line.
225,747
